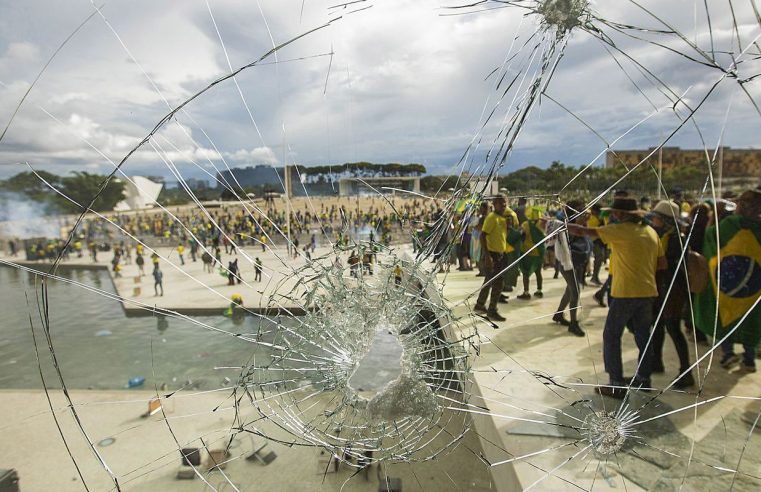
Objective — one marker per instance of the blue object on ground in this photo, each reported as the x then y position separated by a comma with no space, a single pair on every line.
136,381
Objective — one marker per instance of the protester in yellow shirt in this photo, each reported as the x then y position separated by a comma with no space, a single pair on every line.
493,248
636,255
181,253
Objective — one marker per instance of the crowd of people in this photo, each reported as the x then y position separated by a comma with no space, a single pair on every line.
677,267
676,263
237,225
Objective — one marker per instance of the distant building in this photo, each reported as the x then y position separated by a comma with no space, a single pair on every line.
139,192
382,184
737,163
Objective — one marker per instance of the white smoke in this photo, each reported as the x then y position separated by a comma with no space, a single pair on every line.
23,218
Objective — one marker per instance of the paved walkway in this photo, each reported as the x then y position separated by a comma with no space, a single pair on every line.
531,376
530,369
188,289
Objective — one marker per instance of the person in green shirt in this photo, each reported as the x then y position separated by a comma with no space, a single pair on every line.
532,251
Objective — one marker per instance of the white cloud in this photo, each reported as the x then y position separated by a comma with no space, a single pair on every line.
258,155
16,54
67,97
405,84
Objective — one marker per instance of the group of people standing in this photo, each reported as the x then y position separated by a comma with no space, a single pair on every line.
669,263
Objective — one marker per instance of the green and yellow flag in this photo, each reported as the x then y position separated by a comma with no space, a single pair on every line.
534,260
735,267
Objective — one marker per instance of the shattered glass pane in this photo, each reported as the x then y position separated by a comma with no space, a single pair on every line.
332,342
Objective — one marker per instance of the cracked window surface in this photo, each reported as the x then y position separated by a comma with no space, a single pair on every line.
318,341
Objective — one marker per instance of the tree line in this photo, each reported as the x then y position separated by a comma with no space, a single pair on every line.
82,186
593,180
79,187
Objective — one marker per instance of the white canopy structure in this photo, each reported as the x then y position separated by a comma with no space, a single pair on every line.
139,193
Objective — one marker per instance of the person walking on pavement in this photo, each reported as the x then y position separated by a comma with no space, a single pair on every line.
672,291
140,262
193,250
181,253
636,254
257,270
493,247
158,281
569,271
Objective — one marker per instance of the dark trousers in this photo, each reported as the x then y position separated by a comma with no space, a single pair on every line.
571,294
499,262
604,290
637,314
680,343
598,250
527,278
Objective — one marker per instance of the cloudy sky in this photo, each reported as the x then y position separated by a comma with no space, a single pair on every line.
400,81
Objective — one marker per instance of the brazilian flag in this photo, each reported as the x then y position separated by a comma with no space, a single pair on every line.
534,260
514,239
735,267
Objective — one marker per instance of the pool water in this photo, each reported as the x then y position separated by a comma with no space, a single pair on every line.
98,347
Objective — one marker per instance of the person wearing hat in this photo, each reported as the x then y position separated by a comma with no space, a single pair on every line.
672,291
734,263
636,254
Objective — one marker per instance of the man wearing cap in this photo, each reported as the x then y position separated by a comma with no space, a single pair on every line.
636,254
493,248
672,291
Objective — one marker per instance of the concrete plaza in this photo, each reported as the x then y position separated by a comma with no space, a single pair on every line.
533,382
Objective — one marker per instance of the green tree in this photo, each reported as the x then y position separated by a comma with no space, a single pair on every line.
82,187
29,184
432,184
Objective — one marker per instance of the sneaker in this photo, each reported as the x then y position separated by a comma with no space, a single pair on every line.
480,308
685,381
503,299
575,329
617,393
495,316
538,294
745,368
599,298
524,296
560,319
729,360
